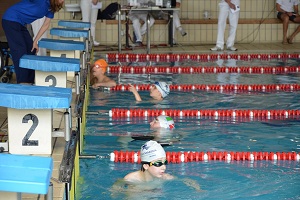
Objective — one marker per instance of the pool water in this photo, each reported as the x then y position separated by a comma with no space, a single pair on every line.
217,179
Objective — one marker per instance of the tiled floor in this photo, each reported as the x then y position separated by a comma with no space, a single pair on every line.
242,48
100,51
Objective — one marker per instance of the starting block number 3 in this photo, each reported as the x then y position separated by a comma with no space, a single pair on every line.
29,131
51,79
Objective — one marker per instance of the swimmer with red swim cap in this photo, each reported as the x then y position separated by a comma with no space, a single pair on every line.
158,91
99,79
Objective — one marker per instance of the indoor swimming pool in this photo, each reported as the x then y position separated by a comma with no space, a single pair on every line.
107,132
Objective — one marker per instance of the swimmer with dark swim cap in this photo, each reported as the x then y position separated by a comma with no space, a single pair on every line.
158,91
99,79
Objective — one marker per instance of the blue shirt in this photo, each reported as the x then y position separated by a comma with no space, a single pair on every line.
27,11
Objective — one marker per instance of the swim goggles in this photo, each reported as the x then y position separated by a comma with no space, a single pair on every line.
158,163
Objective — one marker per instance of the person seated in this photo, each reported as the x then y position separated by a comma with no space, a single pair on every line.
136,17
291,38
176,21
288,11
99,79
158,91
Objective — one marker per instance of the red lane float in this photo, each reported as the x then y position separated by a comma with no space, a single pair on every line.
112,57
229,87
180,157
202,69
269,114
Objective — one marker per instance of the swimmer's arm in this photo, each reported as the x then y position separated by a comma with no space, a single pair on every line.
135,92
107,82
192,183
168,177
121,185
187,181
118,187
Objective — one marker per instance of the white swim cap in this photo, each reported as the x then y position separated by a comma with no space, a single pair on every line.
151,150
163,88
166,121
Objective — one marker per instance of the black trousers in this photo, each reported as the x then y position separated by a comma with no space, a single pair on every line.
20,43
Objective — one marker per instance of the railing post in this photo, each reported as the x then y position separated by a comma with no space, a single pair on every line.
49,195
148,33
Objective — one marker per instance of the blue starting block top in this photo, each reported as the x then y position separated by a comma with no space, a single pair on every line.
74,24
69,33
50,63
21,96
28,174
61,45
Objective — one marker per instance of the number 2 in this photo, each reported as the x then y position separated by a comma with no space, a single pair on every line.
35,122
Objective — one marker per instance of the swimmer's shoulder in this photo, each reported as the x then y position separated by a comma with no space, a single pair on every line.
133,177
168,177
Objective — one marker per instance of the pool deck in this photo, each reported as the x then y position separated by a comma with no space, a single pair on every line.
59,143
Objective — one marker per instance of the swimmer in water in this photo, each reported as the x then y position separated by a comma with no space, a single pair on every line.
158,91
163,121
163,127
153,160
99,79
152,174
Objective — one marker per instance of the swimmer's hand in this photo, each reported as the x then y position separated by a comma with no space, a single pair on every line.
95,86
131,88
135,92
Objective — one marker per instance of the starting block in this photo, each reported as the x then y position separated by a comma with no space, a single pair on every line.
77,25
74,24
24,174
52,70
63,48
74,34
30,116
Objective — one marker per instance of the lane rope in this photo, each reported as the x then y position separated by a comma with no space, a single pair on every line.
196,57
202,70
269,114
216,87
180,157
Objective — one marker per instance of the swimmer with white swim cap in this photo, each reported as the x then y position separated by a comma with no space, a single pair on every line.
163,127
153,160
163,121
158,91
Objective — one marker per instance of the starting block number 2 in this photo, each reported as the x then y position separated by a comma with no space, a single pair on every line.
29,131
